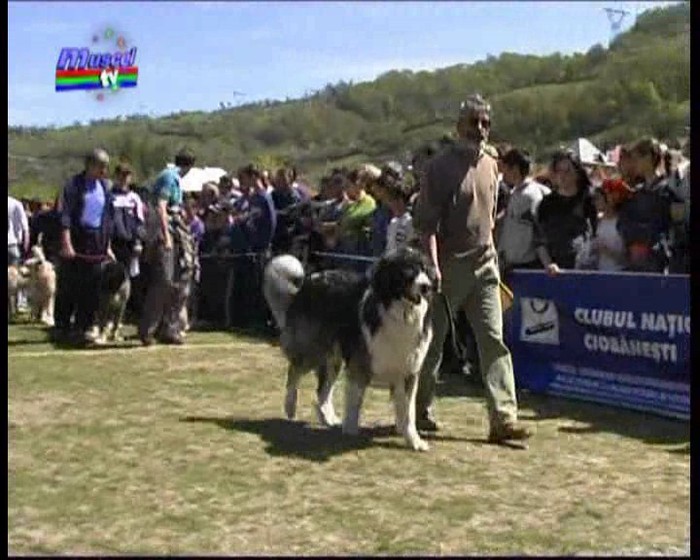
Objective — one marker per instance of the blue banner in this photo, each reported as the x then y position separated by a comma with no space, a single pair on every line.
616,339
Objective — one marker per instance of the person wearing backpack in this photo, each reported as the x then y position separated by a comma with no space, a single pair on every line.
128,233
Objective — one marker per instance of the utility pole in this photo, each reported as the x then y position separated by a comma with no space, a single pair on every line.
615,18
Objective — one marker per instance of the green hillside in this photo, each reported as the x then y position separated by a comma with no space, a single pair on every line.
640,85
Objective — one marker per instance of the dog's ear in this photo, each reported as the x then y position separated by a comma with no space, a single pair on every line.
387,280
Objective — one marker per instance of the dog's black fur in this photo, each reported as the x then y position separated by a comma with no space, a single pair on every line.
114,293
322,314
324,320
113,274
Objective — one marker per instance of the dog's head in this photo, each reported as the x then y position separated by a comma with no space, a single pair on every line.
404,275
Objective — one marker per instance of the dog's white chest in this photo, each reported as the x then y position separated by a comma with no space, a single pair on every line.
398,347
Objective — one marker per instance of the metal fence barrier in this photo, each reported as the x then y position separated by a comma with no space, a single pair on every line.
230,286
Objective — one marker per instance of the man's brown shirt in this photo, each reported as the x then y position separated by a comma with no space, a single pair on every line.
457,202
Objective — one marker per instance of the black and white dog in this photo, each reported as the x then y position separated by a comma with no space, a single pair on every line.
379,327
115,290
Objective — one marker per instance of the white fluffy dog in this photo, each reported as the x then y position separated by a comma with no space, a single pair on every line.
41,286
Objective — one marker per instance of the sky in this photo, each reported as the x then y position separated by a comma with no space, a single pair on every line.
194,55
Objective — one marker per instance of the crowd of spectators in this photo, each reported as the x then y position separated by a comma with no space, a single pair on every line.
634,217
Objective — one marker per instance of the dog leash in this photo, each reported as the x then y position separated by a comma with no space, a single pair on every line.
456,348
91,258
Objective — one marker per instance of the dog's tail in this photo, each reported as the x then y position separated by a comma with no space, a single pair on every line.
282,280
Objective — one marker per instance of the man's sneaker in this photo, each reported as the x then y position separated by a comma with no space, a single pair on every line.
508,432
426,424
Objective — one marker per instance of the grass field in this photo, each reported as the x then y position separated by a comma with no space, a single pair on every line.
175,450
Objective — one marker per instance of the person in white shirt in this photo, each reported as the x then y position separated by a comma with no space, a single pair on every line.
17,240
516,244
17,231
608,245
400,231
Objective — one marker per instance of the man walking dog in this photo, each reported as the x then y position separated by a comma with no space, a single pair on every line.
455,217
86,224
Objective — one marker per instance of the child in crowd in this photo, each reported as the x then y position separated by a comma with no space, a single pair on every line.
608,244
400,230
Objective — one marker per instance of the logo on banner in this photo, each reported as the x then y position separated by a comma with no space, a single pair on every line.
540,321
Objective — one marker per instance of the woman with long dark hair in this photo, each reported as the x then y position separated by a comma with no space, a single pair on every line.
567,216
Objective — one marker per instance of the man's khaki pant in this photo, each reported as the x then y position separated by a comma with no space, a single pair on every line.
165,297
475,288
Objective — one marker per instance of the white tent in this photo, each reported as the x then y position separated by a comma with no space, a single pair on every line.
588,153
197,177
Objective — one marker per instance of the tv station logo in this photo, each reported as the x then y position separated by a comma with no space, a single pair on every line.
102,70
81,69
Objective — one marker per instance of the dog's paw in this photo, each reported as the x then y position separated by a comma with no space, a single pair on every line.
418,444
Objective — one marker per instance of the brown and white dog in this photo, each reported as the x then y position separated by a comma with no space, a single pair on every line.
41,287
